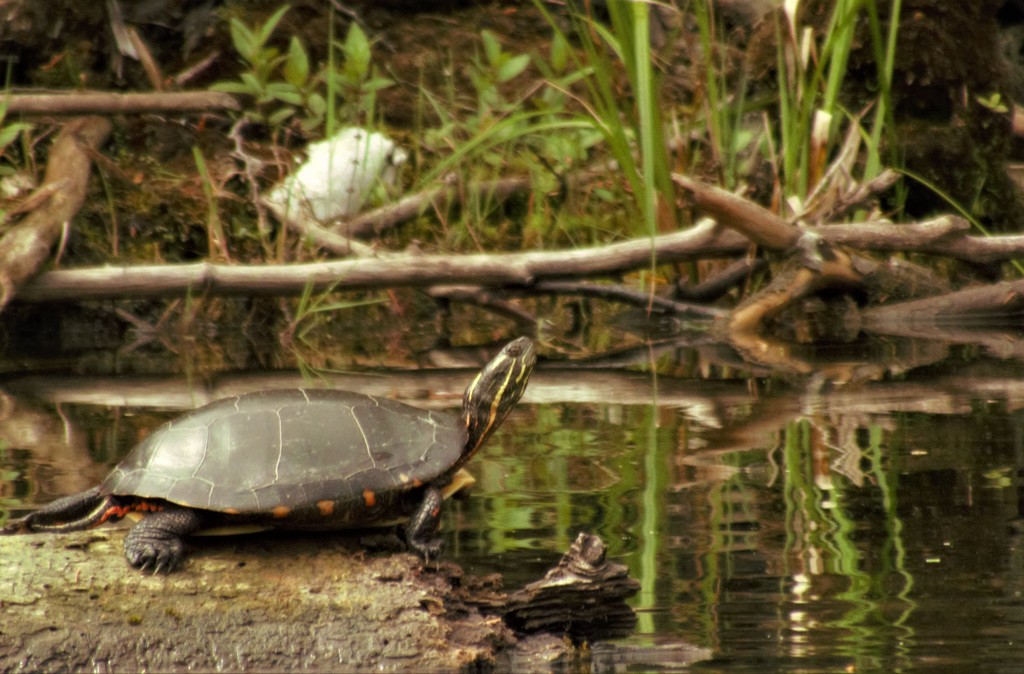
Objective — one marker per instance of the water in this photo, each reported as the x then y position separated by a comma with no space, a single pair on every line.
789,528
843,532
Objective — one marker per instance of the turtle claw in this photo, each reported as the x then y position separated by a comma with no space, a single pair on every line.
428,549
162,556
157,541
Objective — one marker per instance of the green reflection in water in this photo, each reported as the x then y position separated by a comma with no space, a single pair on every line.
894,553
652,520
823,540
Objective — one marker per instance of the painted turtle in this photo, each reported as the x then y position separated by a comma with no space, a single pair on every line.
297,459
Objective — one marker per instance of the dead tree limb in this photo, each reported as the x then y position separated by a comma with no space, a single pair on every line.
407,270
111,103
942,235
752,220
26,246
998,304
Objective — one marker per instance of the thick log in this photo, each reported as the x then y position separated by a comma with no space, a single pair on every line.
997,304
266,603
70,603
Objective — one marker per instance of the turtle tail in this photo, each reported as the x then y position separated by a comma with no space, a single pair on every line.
71,513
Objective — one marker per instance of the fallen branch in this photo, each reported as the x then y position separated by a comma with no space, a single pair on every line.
755,222
656,304
997,304
374,223
941,236
407,270
110,103
26,246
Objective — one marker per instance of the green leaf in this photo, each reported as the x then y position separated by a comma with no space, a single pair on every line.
267,29
376,84
559,53
243,40
513,67
278,118
284,92
357,51
254,85
316,104
492,48
231,88
296,66
9,133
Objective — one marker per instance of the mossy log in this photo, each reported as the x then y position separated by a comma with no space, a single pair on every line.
282,602
274,603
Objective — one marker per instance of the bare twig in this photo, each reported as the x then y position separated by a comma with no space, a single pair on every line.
658,305
484,299
373,223
105,102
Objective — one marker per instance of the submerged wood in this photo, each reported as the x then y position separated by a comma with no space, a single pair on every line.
583,596
26,246
997,304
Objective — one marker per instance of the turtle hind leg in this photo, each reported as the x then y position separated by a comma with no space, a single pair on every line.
421,530
70,513
157,541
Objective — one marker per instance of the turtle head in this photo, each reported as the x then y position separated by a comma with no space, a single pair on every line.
495,390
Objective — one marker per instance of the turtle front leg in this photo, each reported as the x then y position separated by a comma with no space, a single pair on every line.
421,530
157,540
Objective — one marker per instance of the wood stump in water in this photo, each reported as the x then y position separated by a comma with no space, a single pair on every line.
583,596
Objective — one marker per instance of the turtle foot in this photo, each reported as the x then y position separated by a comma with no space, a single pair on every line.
427,549
162,555
157,541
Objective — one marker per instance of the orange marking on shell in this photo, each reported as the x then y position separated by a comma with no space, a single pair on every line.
326,508
417,482
281,511
369,498
232,511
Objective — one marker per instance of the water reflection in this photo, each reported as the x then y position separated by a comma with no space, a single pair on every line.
826,533
874,528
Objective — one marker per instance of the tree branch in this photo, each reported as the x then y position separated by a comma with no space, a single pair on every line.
109,103
26,246
368,273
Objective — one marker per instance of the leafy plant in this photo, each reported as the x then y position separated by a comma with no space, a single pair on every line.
496,68
632,127
356,81
284,85
535,132
8,134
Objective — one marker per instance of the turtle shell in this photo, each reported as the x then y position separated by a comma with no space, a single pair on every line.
281,451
